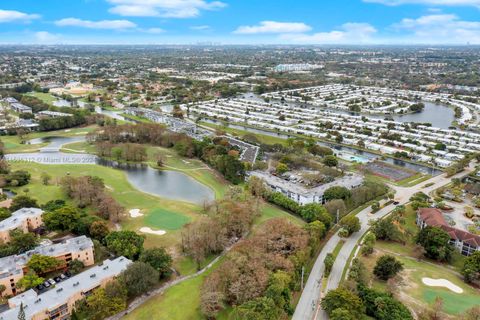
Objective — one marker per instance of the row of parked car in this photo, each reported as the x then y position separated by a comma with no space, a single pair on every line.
52,281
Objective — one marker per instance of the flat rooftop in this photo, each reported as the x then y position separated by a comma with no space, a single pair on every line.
13,264
34,303
18,217
349,181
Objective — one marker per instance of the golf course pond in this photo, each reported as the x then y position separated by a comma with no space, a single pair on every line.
173,185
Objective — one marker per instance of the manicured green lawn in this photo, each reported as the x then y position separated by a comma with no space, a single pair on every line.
193,167
176,303
13,143
45,97
453,303
416,267
117,183
269,211
78,147
159,218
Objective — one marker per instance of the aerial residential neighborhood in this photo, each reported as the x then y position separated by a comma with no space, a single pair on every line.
240,160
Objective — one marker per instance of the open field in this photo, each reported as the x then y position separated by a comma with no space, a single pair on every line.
159,218
13,143
178,302
413,291
121,190
44,97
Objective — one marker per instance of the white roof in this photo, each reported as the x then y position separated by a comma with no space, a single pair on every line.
18,217
34,303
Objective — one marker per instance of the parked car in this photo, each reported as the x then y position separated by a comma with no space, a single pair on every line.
63,277
46,284
40,287
51,281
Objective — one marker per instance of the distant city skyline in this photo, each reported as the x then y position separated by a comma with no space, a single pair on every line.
359,22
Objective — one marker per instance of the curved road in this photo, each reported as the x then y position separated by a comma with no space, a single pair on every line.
308,306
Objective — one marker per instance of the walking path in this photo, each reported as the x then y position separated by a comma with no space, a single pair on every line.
146,296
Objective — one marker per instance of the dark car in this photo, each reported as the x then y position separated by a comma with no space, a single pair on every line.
40,287
396,203
57,279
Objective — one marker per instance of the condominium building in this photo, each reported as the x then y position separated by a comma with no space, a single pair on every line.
303,195
58,302
25,219
465,242
13,268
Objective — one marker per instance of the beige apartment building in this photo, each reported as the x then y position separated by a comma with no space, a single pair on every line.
13,268
25,219
59,302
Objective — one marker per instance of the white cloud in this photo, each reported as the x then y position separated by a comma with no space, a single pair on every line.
163,8
11,16
475,3
348,33
440,29
274,27
46,37
200,28
102,24
155,30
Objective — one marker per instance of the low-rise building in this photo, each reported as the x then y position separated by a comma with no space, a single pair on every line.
13,268
465,242
53,114
25,219
303,195
20,108
59,302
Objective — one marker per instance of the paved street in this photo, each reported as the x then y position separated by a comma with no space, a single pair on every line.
308,306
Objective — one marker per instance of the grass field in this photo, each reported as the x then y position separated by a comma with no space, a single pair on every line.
44,97
413,292
13,143
159,218
122,191
178,302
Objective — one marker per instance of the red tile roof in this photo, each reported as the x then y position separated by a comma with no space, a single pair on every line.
433,217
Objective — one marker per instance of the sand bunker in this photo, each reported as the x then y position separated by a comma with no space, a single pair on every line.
442,283
149,230
135,213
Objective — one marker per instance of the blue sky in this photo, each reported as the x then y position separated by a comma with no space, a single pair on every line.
240,21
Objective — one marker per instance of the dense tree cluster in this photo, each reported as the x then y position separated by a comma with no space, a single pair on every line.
122,151
19,243
436,243
137,279
311,212
227,221
216,152
90,191
471,267
258,275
